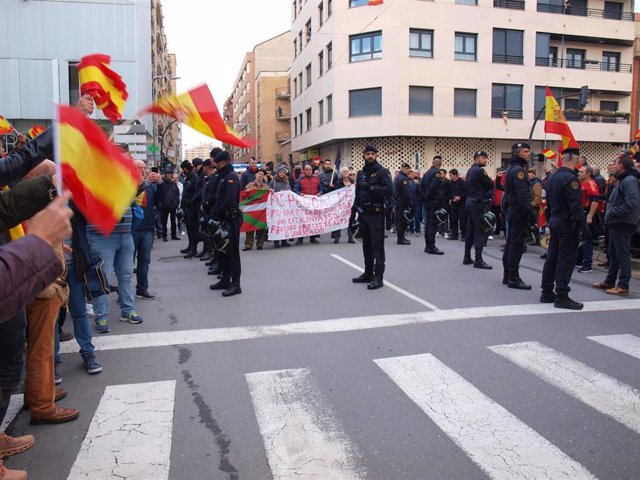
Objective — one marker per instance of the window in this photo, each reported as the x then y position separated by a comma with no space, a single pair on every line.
300,83
308,73
295,10
506,100
329,8
321,112
320,64
551,6
514,4
329,108
608,106
321,14
366,46
610,62
329,55
300,123
420,43
365,102
575,58
544,57
74,84
464,102
467,2
307,30
358,3
295,87
420,100
308,113
466,46
295,48
613,10
295,127
507,46
300,44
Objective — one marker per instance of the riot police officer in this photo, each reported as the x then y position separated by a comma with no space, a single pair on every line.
478,203
373,185
517,200
567,223
403,202
432,195
189,207
227,212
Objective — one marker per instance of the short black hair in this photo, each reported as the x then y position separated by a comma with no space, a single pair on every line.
438,157
626,161
214,152
454,171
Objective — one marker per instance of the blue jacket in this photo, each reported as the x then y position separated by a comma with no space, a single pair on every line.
623,203
148,200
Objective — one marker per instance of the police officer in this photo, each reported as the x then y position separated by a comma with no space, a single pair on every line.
432,196
478,202
517,200
567,223
189,207
373,185
226,211
403,202
208,201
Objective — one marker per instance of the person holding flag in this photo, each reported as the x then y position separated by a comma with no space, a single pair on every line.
252,188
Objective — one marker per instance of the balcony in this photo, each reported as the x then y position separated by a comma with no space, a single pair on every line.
283,137
584,12
282,114
595,116
283,93
513,4
510,59
593,65
497,113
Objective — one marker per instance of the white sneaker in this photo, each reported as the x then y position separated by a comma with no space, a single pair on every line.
490,237
446,236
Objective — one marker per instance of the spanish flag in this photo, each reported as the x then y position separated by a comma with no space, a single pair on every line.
375,2
555,122
103,84
197,109
35,131
5,126
548,153
101,177
636,134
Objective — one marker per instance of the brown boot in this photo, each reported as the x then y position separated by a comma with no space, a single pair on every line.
6,474
57,415
12,445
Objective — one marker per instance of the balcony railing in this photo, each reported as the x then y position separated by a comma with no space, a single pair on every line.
282,114
497,113
595,117
283,93
584,64
510,59
514,4
283,136
585,12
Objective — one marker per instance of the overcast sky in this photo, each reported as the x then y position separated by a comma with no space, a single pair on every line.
211,37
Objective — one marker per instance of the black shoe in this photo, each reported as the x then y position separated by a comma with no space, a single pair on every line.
165,239
221,285
566,302
200,254
364,278
258,248
375,284
175,237
351,240
336,240
452,238
518,284
404,241
217,270
299,241
284,243
467,260
314,240
191,254
276,244
146,295
246,249
482,264
547,297
234,289
206,257
185,250
434,251
210,263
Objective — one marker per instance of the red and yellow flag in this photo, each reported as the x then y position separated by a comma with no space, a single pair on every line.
36,130
5,126
375,2
101,177
103,84
636,134
548,153
555,122
197,109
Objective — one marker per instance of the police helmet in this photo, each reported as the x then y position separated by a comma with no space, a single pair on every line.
441,216
488,222
221,239
408,215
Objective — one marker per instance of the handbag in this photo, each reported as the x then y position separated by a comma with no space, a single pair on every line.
94,281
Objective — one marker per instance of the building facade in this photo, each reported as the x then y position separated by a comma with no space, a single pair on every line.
199,151
422,78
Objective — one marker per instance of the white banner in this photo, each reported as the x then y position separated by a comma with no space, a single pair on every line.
292,216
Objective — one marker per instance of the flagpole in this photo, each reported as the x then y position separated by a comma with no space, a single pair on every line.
55,74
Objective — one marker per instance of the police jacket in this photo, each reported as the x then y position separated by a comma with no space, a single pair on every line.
168,195
373,186
189,190
402,191
457,188
479,184
209,192
227,195
17,164
623,203
431,188
564,197
517,194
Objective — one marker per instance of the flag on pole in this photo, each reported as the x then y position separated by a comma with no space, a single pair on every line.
634,148
253,205
338,164
375,2
103,84
555,122
5,126
35,131
636,134
101,177
197,109
548,153
418,161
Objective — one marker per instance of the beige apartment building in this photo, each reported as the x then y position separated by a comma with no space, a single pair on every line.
201,150
419,78
259,107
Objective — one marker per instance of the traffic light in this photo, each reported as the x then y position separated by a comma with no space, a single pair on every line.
584,96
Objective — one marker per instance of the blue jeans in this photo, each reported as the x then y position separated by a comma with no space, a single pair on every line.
619,258
587,253
12,338
78,310
416,225
116,251
143,243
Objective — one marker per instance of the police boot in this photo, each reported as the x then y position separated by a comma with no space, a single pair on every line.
480,263
375,283
366,277
234,289
467,258
563,301
210,263
215,270
505,274
516,282
221,285
403,241
547,297
191,253
186,250
351,240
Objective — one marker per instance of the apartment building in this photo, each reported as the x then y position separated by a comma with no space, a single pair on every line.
420,78
201,150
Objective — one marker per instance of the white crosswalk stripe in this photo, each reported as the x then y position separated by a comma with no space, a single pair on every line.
301,436
625,343
503,446
601,392
130,434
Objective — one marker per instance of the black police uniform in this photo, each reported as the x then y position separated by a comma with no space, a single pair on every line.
207,200
478,202
458,188
403,202
373,186
567,222
190,209
226,210
517,200
432,196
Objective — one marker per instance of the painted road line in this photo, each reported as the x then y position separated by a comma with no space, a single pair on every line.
15,405
389,284
130,434
301,436
629,344
232,334
601,392
498,442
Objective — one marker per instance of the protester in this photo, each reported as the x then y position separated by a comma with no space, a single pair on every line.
256,185
280,183
309,184
168,202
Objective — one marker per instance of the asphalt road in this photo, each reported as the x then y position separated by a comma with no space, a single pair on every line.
444,374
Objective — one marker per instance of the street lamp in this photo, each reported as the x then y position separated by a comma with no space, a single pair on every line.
153,116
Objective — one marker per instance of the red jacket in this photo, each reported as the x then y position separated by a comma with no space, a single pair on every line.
308,186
